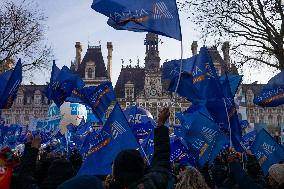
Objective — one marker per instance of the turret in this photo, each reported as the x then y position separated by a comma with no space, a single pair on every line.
109,59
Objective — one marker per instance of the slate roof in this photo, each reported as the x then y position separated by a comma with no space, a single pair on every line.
29,91
93,54
136,75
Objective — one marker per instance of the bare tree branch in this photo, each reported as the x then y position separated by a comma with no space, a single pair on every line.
22,35
255,27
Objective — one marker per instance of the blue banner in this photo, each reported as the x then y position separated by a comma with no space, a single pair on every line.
156,16
62,84
248,139
204,139
141,122
99,98
266,150
10,82
179,152
46,125
171,69
116,136
272,94
234,82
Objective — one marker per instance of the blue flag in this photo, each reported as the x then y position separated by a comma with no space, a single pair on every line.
62,84
12,134
234,82
244,124
9,84
141,122
248,139
205,77
272,94
204,139
156,16
54,74
223,110
179,152
201,82
99,98
171,69
185,87
266,150
116,136
147,147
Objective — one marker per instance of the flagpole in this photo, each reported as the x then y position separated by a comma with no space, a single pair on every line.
180,69
145,155
228,123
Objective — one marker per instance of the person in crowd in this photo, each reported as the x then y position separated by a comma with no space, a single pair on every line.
129,167
276,176
59,170
244,181
191,179
157,177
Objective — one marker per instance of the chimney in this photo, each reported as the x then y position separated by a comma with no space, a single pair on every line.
194,47
109,59
78,47
226,53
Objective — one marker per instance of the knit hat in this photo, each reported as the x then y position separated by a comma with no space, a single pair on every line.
128,167
276,171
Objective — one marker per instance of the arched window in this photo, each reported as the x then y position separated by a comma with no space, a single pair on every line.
90,73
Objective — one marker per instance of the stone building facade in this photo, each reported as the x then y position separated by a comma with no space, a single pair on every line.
31,101
273,117
145,87
141,85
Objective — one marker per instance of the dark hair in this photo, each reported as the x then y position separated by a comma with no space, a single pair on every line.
128,167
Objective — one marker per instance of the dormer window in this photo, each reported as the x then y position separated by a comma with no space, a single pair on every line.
37,97
90,73
90,70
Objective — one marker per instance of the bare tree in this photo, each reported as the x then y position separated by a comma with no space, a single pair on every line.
22,31
255,27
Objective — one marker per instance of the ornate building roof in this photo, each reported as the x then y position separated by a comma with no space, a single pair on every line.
135,75
95,57
28,93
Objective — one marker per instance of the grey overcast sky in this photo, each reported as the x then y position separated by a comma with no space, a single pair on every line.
70,21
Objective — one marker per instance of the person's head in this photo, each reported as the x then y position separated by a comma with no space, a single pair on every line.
59,171
191,179
252,166
128,167
276,175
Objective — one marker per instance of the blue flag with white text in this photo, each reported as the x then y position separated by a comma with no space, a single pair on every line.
155,16
117,136
141,122
9,84
180,153
62,84
248,139
204,139
171,69
272,93
99,98
266,150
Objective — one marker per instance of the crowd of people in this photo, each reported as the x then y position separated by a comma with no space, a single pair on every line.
39,168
